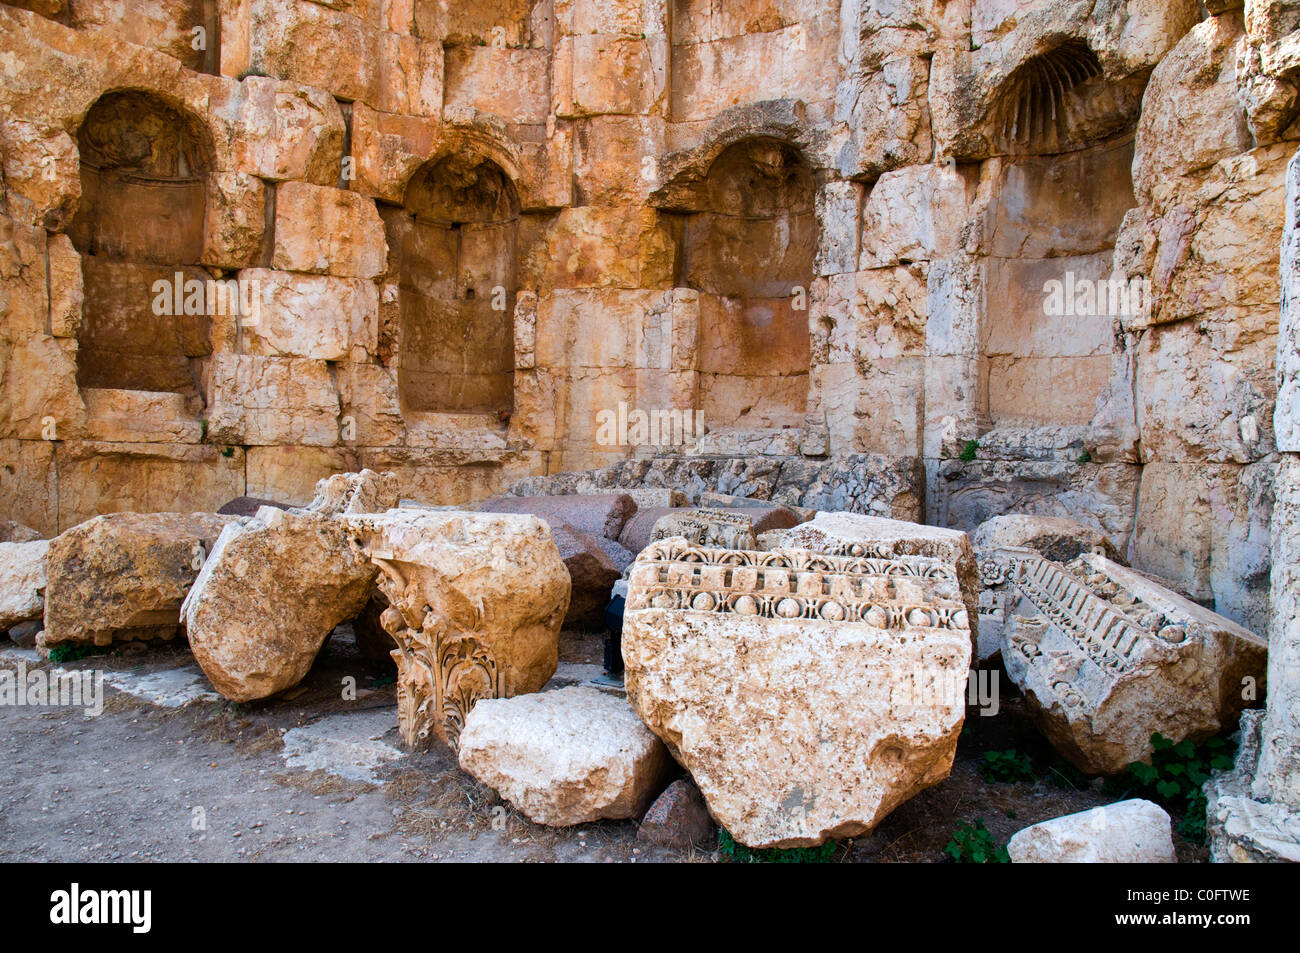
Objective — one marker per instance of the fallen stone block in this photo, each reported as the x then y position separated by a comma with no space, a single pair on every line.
720,529
124,576
1056,538
852,534
25,634
22,581
591,574
271,592
678,818
248,506
565,757
344,494
475,605
600,514
731,528
807,694
1053,537
1130,832
1105,658
726,501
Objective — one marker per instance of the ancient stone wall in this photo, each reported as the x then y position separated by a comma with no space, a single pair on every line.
459,236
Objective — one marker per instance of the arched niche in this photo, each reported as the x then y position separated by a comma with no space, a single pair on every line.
749,249
141,222
1061,188
457,248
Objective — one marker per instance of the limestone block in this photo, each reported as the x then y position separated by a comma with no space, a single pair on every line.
600,514
290,132
475,606
368,397
720,529
795,61
915,213
123,576
1056,538
855,535
348,494
612,75
98,477
565,757
312,316
1128,832
28,489
236,223
329,231
593,247
808,695
1191,118
734,528
410,78
889,116
387,149
1205,527
316,46
268,401
678,818
163,25
291,473
592,573
273,588
22,581
607,148
509,83
1106,658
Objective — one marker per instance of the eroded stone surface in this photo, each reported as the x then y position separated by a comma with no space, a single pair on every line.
1128,832
22,581
808,695
124,576
1106,658
475,606
273,589
852,534
565,757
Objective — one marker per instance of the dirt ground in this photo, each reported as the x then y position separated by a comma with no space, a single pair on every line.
211,780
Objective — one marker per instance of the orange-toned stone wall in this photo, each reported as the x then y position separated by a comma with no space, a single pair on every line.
468,233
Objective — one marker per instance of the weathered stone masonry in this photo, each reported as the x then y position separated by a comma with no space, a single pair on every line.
825,225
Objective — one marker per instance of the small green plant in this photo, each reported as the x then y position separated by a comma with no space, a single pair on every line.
1175,777
1084,457
227,451
203,436
1007,766
968,452
974,844
70,652
741,854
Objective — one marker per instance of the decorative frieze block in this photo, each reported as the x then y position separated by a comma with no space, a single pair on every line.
1106,657
808,694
